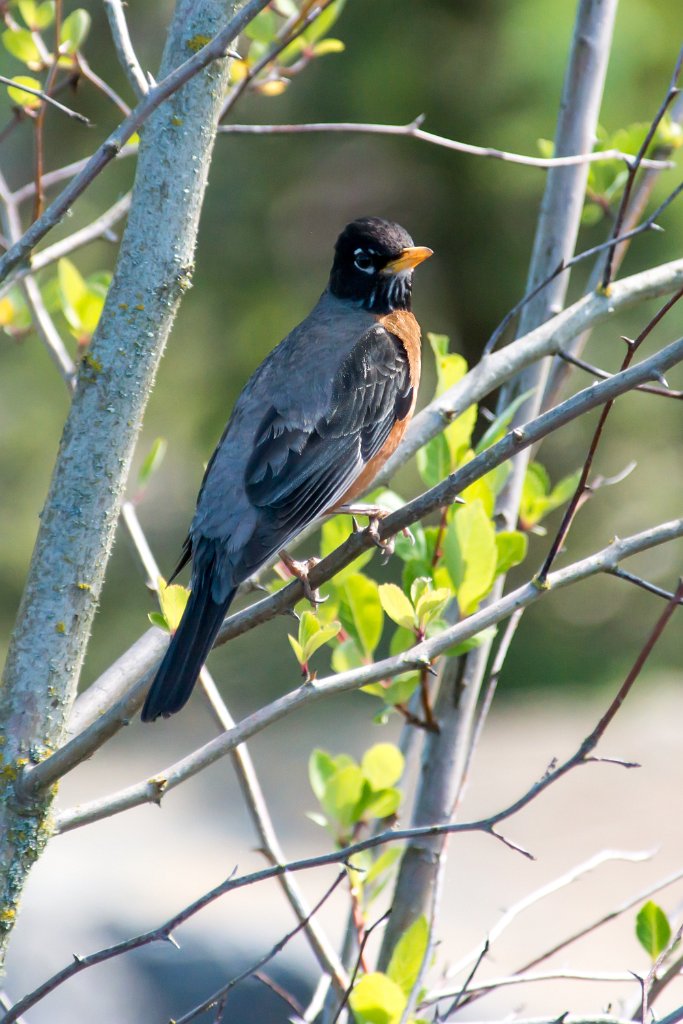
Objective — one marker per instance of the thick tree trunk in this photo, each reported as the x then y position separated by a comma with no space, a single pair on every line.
115,378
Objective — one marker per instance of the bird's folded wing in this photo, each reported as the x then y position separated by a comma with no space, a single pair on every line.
298,470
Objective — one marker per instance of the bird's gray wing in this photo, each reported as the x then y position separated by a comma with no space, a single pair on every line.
297,469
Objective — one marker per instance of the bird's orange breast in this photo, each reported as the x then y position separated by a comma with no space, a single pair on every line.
405,327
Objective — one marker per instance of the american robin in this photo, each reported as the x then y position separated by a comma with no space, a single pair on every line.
309,432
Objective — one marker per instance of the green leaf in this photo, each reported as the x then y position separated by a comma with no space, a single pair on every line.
406,960
35,15
376,999
321,767
379,805
501,422
384,862
157,619
19,42
382,765
398,691
327,46
396,605
22,98
361,602
346,656
152,461
298,649
172,600
471,554
322,25
512,548
653,929
75,28
263,27
342,793
312,635
333,534
431,605
434,461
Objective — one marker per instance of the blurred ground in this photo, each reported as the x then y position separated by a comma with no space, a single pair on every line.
108,881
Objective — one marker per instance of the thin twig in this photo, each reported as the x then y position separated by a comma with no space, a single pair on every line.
634,167
153,789
48,99
215,49
595,371
124,47
582,756
582,485
247,778
443,493
224,990
413,130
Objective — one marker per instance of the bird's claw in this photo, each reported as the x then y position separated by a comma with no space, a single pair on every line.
385,544
300,571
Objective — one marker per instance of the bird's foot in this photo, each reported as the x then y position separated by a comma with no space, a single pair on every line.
375,514
300,571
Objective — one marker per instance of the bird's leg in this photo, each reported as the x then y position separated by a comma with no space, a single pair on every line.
375,514
300,570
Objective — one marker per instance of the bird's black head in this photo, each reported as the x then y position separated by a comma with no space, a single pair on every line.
373,265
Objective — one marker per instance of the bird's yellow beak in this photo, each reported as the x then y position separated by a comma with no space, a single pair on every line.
410,257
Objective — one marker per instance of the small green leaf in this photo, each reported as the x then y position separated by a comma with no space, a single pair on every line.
75,28
321,767
380,805
333,534
342,793
502,422
431,605
361,604
434,461
326,46
653,929
406,960
19,42
396,605
382,765
262,28
512,548
324,22
152,461
346,656
384,862
22,98
470,552
35,15
157,619
172,600
376,999
298,649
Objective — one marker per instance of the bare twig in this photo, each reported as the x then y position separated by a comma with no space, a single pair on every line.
248,779
216,48
221,994
413,130
542,893
48,99
637,163
124,47
595,371
39,123
49,770
151,790
582,756
622,574
582,485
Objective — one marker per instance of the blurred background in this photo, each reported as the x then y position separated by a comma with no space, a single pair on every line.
488,73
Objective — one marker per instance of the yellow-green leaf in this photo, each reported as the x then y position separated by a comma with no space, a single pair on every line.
653,929
512,547
321,767
152,461
361,602
75,28
19,42
20,96
376,999
297,648
406,960
396,605
333,534
382,765
471,554
342,793
172,600
326,46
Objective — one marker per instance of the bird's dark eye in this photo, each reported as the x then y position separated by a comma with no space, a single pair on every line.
364,262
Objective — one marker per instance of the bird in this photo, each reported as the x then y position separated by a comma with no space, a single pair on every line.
309,432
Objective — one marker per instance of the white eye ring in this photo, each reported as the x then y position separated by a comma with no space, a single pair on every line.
364,262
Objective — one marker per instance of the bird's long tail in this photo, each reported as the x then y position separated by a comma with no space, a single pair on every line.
187,652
